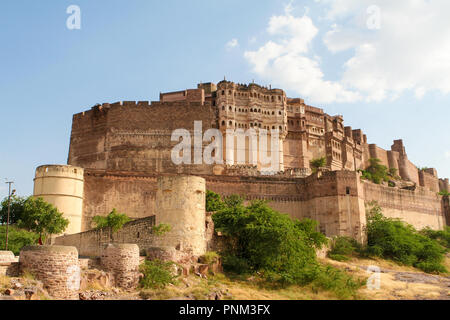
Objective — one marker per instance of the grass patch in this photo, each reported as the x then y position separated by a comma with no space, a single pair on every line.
209,257
157,274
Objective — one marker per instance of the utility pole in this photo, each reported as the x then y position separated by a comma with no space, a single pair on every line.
9,209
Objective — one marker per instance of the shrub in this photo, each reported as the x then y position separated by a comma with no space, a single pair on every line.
337,281
209,257
157,274
377,173
17,238
266,241
234,264
213,202
342,248
393,239
441,236
113,220
161,229
316,164
345,246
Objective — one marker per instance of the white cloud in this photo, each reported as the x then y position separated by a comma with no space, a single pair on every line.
233,43
286,62
447,154
410,51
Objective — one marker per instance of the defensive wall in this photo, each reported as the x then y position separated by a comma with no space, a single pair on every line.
336,199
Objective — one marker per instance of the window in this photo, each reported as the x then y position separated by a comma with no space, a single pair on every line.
347,191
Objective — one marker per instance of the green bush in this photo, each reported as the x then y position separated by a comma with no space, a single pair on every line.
272,244
161,229
209,257
17,238
441,236
213,202
157,274
337,281
234,264
113,220
344,247
378,173
316,164
393,239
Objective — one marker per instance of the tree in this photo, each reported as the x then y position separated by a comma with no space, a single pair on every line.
316,164
16,211
213,202
113,220
17,238
42,218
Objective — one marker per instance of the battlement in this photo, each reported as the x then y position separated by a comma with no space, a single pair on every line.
59,171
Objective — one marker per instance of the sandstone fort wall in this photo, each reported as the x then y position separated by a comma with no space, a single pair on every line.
421,208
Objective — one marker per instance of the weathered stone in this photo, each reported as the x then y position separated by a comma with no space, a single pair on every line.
123,261
57,268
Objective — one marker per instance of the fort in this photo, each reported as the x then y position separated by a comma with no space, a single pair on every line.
120,157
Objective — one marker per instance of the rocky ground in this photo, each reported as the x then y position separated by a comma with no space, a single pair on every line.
396,283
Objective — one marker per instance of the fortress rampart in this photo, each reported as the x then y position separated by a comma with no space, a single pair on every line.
125,150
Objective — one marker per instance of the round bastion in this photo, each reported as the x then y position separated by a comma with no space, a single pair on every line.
180,203
123,261
63,187
56,266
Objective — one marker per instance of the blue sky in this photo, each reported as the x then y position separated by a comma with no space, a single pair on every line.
132,50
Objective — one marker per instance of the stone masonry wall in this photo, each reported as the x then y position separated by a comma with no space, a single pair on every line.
421,208
55,266
123,261
91,243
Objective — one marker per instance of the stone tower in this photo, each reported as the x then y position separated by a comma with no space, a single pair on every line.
180,203
62,186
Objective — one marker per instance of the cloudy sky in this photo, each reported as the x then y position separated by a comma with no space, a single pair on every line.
384,65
